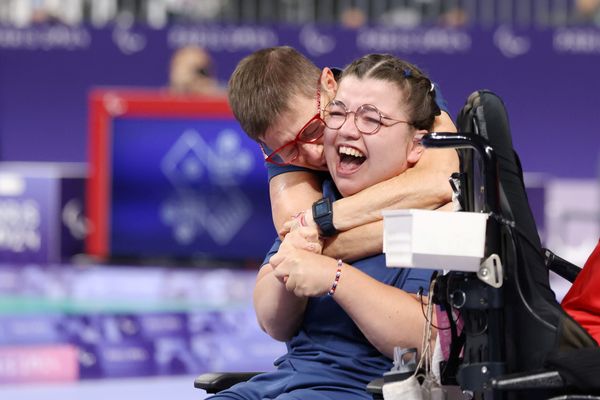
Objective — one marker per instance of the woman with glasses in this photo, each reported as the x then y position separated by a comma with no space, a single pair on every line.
341,320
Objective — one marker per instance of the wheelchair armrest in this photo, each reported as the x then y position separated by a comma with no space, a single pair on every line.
529,380
213,382
561,266
375,388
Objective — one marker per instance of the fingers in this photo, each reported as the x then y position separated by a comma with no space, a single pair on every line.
281,275
304,233
279,271
290,284
311,234
287,228
296,222
276,259
308,239
283,264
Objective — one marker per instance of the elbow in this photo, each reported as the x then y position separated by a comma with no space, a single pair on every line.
280,336
444,189
276,332
278,328
273,325
444,197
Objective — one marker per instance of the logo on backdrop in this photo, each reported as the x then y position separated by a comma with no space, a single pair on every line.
509,44
576,41
315,43
19,225
222,38
206,180
55,37
417,41
126,40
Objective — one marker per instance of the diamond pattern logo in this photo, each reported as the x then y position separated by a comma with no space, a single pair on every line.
207,198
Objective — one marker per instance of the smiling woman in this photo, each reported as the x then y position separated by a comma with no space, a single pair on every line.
393,105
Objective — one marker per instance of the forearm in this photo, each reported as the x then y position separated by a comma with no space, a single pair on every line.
423,186
362,241
291,193
386,315
278,312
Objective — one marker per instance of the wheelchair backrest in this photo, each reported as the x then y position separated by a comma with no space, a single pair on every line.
535,324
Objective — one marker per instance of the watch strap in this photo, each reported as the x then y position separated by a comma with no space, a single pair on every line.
323,216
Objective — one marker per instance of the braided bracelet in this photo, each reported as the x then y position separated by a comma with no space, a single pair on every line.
336,280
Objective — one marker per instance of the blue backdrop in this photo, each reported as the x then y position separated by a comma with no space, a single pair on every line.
548,78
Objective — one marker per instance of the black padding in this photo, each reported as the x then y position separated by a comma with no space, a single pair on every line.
561,266
579,368
214,382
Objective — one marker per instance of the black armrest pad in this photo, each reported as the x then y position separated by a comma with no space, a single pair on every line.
375,388
213,382
561,266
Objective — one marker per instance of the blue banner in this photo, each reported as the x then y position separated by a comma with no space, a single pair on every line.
187,187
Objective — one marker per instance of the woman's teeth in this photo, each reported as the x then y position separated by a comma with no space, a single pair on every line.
349,151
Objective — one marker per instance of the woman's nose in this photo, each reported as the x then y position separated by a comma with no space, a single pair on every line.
349,129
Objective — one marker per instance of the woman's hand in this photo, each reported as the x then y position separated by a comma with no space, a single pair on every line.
305,238
302,219
304,273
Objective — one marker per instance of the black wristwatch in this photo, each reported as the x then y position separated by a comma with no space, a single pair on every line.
323,215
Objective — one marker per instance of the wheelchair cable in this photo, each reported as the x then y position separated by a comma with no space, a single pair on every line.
518,253
420,294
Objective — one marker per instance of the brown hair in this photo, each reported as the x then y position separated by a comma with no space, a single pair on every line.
264,83
419,95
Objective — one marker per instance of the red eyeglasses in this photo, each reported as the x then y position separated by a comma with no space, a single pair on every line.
309,133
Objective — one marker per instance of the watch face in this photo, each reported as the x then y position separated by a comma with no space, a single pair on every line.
322,208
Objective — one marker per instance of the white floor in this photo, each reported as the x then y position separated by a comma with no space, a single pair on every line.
162,388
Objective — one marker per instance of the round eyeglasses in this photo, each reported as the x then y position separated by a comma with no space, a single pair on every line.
367,118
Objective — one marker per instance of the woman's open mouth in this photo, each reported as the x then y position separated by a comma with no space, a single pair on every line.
350,159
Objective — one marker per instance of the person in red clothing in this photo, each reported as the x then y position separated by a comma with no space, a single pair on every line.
582,301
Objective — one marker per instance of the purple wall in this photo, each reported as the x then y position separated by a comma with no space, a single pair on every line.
548,79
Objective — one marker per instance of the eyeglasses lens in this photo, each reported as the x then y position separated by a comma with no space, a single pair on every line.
312,132
285,154
335,115
367,119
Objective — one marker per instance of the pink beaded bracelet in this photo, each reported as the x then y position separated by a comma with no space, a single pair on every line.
336,279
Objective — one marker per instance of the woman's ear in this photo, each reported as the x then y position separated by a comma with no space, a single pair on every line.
416,148
328,82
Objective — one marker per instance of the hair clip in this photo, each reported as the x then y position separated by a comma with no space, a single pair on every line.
431,89
407,73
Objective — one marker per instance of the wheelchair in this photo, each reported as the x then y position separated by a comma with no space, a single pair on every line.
516,341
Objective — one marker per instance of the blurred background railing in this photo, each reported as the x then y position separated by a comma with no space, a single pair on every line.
408,13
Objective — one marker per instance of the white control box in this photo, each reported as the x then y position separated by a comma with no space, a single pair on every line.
434,239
